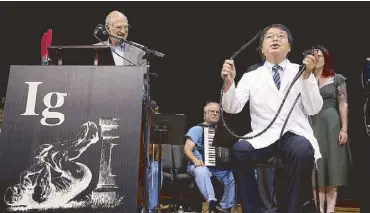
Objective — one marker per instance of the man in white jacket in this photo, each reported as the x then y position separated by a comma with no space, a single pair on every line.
265,88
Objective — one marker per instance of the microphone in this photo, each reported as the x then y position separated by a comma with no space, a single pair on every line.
100,29
302,67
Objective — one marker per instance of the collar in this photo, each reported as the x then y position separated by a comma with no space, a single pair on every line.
282,64
120,47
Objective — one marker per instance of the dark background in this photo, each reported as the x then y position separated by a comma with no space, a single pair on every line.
197,37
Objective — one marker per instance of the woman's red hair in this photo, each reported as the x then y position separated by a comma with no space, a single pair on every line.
328,70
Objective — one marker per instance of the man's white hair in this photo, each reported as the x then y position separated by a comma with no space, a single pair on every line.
210,103
110,15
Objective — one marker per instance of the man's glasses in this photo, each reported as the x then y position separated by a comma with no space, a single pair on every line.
214,112
279,36
125,27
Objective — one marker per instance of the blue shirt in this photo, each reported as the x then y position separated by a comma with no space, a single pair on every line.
196,135
118,52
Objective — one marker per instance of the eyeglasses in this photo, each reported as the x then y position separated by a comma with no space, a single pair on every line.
279,36
126,27
214,112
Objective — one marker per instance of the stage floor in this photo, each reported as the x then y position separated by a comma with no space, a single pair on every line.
337,209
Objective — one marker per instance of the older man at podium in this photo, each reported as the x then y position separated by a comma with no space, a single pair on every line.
116,24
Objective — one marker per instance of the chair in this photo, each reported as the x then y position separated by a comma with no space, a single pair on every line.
184,184
168,174
272,163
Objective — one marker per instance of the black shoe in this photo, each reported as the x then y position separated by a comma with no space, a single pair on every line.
219,209
269,210
212,207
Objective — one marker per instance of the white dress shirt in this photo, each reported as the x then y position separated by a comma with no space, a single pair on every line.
259,88
282,65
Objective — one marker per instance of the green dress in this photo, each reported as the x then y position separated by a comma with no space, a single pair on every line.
334,167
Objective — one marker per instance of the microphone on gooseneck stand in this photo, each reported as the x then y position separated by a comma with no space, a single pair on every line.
100,29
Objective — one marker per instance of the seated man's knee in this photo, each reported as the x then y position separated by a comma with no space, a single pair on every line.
201,171
230,179
227,177
154,167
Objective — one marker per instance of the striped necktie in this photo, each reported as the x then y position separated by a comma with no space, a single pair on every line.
276,77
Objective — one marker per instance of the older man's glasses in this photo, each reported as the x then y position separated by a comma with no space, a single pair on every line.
213,112
121,27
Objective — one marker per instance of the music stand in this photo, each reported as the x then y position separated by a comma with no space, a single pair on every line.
167,129
81,55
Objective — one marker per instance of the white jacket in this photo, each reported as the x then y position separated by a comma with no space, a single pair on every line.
259,88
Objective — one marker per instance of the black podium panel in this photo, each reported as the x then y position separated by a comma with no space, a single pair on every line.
70,140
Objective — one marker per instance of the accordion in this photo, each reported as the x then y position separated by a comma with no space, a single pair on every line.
214,156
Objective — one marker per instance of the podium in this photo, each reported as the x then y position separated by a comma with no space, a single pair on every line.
70,135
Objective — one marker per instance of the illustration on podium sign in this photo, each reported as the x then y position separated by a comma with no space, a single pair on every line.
57,177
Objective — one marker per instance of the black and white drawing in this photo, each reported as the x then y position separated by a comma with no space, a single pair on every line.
56,177
70,139
106,192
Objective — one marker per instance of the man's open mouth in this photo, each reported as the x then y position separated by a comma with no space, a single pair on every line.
275,46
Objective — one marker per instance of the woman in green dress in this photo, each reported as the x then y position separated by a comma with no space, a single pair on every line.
330,128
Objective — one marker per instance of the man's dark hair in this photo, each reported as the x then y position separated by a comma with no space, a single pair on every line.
264,31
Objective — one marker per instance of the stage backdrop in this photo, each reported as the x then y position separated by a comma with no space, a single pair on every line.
70,139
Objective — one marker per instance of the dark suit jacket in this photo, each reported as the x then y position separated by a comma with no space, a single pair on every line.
131,54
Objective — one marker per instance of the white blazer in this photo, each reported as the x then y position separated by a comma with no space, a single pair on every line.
259,88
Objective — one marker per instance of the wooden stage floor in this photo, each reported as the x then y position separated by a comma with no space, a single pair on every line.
337,209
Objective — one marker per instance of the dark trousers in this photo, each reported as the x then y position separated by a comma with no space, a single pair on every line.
265,181
295,151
